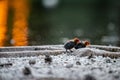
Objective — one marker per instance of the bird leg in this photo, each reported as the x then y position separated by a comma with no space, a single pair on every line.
67,51
71,51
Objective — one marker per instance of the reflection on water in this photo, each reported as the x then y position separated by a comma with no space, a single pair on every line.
3,21
19,31
20,24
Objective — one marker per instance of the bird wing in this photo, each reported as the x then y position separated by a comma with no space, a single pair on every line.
69,45
80,45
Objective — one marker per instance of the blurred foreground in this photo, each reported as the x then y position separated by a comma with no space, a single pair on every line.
79,65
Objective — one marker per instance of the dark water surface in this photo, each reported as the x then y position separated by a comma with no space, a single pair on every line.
94,21
55,21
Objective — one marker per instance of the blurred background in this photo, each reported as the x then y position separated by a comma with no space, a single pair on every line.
41,22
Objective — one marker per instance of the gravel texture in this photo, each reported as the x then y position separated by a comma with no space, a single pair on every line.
78,65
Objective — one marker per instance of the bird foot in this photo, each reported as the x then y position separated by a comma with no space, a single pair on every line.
70,51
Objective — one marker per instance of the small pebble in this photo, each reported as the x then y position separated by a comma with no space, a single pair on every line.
48,59
116,76
26,71
32,62
110,71
114,61
78,63
108,61
87,64
6,65
92,60
36,49
69,65
89,77
50,72
90,56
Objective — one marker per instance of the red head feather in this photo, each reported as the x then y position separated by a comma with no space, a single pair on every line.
76,40
87,43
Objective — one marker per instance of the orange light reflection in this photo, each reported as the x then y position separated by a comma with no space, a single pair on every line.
20,25
3,20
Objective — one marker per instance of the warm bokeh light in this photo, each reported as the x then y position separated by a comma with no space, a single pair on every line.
20,24
3,20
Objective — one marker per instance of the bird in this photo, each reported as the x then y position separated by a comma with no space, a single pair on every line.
71,44
82,44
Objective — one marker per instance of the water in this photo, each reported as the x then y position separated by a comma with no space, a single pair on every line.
41,22
69,19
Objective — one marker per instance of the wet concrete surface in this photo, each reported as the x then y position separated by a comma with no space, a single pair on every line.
64,66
